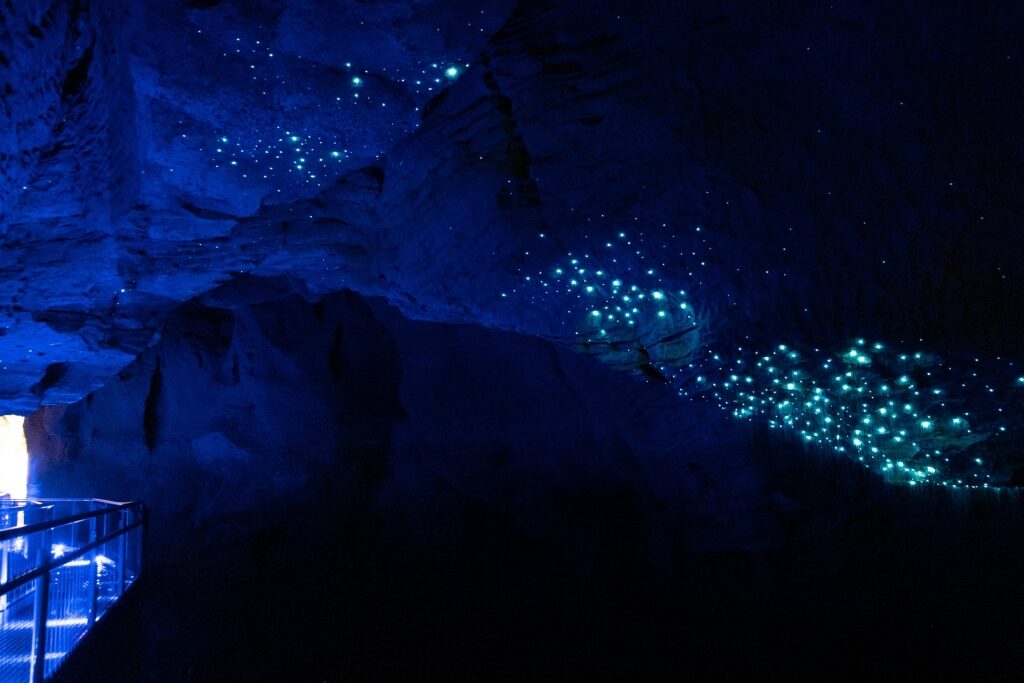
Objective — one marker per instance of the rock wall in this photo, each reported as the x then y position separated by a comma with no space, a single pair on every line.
277,440
337,491
852,170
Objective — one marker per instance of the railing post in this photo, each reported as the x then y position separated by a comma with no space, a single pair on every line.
94,574
4,571
138,515
41,607
122,549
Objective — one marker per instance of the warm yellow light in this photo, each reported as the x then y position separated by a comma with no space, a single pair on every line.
13,457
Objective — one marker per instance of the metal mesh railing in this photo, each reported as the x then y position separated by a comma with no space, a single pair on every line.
63,563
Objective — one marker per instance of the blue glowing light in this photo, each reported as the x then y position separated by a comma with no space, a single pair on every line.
895,413
908,433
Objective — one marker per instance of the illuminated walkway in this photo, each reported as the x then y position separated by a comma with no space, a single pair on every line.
63,564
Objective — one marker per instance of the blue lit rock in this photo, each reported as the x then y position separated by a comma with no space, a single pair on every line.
433,453
440,189
411,472
349,389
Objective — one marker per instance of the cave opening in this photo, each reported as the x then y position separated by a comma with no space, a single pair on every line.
13,458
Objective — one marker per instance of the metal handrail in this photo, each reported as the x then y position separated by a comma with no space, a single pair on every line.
130,516
64,559
15,531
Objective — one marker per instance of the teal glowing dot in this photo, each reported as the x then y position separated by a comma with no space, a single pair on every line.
858,443
926,424
335,154
661,314
452,72
596,314
682,306
658,296
590,289
616,283
356,81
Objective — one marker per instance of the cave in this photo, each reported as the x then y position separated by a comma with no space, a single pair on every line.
519,340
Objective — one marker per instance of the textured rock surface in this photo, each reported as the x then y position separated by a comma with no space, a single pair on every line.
295,391
435,500
452,453
854,170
